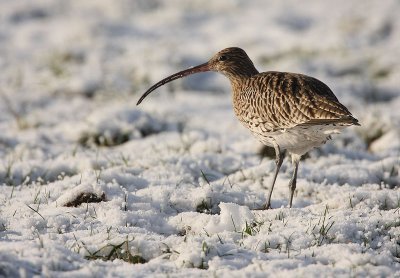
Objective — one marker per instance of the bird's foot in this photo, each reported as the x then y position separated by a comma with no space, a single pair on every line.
267,206
264,207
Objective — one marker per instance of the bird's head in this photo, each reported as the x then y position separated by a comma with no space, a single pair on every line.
232,62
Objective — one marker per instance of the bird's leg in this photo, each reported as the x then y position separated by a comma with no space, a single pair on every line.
292,182
278,161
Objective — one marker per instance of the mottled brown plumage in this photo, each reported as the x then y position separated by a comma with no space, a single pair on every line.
287,111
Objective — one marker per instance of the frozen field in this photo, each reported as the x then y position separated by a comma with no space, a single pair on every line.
92,185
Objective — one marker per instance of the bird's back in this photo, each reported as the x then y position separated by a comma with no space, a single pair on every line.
269,103
283,100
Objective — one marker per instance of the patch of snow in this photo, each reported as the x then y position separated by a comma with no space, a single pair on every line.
182,179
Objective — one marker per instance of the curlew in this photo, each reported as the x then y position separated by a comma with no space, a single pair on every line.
286,111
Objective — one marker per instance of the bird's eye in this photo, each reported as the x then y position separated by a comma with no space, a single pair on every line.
222,58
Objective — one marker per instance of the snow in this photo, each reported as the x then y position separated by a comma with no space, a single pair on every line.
177,182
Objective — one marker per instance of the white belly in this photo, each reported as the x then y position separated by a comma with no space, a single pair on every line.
298,140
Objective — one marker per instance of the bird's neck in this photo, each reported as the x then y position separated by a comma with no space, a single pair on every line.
238,78
243,72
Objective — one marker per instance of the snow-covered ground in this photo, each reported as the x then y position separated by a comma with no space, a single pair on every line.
170,188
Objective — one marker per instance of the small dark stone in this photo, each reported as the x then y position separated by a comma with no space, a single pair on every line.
86,197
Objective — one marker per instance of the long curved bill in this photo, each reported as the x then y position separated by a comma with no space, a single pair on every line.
199,68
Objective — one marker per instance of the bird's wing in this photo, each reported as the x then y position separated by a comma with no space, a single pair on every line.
284,100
